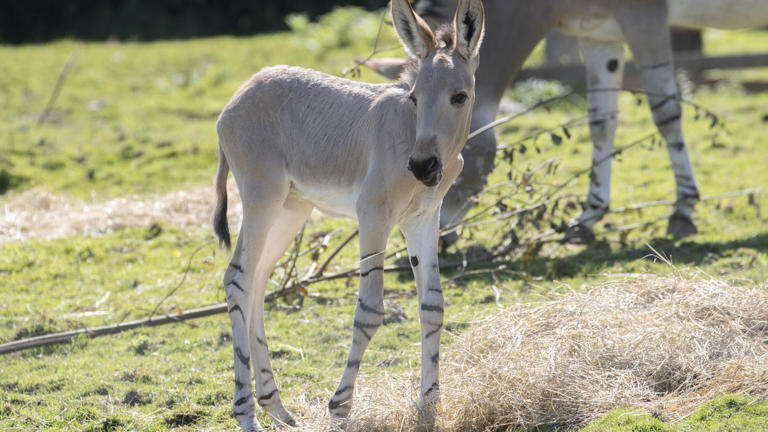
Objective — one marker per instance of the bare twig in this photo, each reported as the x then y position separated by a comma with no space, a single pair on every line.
57,89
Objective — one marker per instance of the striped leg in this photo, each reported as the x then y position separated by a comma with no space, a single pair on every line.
421,234
651,47
369,312
239,314
242,289
605,69
281,235
664,99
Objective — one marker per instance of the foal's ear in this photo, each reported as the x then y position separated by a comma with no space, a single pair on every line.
416,37
469,27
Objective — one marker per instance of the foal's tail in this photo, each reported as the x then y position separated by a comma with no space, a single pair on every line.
220,224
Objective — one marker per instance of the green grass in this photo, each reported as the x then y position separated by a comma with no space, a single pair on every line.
140,119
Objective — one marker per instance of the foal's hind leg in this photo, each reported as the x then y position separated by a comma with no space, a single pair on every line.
647,33
293,214
605,70
261,206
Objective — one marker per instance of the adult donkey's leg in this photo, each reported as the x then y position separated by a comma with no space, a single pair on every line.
261,206
421,237
605,69
369,312
479,159
645,27
293,214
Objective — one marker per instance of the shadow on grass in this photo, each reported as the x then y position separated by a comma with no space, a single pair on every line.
599,256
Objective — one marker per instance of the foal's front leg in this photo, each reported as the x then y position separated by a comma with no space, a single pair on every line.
421,234
369,312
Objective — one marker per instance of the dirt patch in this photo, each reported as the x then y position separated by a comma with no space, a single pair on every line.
41,214
666,344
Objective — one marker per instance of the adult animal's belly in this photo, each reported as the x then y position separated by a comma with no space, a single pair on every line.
723,14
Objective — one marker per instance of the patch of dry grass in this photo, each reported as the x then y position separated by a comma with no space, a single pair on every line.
42,214
666,344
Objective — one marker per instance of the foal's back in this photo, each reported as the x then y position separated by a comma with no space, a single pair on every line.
306,119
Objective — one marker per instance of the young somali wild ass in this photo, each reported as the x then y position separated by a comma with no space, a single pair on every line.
297,139
514,27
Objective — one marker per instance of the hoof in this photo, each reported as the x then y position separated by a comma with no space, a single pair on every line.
339,409
681,225
447,240
250,424
579,234
280,416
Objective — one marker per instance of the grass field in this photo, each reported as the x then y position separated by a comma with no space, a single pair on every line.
138,119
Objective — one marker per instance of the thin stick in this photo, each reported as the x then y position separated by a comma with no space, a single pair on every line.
666,203
57,89
516,115
333,254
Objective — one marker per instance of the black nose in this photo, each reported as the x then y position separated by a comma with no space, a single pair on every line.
426,170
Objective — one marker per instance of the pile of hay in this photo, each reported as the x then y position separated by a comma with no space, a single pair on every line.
666,344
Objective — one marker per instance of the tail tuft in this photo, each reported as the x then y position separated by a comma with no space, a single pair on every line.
220,224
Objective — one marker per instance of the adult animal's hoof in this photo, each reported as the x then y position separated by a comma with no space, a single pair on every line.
681,225
446,240
579,234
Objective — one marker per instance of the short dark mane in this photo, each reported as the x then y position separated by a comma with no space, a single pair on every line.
444,36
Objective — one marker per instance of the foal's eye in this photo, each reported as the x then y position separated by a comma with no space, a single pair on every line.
459,98
412,98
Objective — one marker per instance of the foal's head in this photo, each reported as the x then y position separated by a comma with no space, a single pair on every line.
444,87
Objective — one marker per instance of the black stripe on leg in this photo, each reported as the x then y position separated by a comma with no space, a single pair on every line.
244,399
677,146
238,413
663,102
433,387
353,364
261,341
668,120
237,285
435,358
414,261
364,274
426,336
342,390
266,371
365,308
439,290
237,308
594,195
365,257
362,326
431,308
236,267
239,385
244,359
266,397
597,122
332,405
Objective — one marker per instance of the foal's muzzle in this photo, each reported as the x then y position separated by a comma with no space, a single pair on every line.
428,171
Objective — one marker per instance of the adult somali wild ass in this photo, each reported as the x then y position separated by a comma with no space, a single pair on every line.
383,154
514,27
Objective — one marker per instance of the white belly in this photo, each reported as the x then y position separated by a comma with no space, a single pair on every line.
333,200
597,24
722,14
